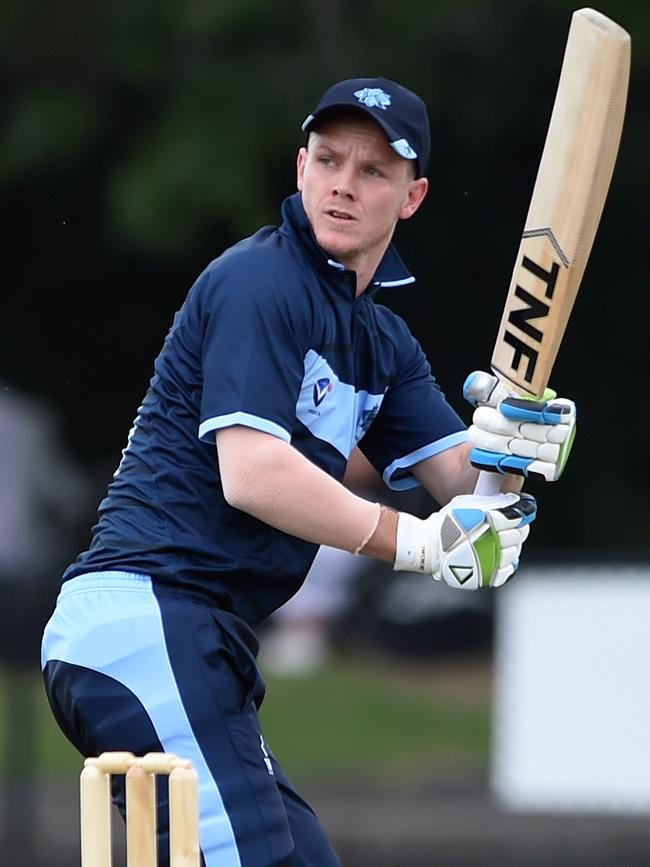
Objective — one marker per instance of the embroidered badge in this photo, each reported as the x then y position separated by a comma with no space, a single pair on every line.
373,97
365,420
322,388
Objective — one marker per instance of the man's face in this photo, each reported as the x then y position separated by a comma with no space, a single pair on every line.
355,188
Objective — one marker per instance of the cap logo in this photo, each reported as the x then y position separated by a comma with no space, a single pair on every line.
373,97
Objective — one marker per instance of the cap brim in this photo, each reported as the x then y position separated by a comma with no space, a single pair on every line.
399,145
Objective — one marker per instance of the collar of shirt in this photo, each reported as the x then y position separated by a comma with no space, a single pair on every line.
391,271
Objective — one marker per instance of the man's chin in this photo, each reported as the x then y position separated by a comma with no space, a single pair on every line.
337,247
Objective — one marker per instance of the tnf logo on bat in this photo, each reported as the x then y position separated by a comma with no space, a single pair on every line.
322,388
373,97
535,308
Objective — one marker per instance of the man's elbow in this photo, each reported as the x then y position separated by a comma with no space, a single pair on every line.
245,460
234,488
240,481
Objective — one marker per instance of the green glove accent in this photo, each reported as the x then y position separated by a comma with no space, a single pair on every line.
488,552
565,451
549,394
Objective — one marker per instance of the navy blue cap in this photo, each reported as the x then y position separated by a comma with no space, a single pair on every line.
399,112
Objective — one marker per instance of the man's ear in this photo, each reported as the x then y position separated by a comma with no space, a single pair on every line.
417,192
300,166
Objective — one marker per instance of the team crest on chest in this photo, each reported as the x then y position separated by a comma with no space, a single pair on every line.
322,388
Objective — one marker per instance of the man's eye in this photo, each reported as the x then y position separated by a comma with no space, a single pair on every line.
325,160
372,170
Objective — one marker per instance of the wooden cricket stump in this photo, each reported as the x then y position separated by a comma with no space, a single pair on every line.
141,842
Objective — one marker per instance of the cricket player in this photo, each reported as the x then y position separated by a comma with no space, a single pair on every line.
279,363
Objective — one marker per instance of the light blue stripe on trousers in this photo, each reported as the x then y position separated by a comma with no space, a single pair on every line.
110,622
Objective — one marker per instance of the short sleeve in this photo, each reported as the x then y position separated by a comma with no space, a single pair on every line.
253,352
415,422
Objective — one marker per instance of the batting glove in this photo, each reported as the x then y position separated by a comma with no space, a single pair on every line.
472,542
513,434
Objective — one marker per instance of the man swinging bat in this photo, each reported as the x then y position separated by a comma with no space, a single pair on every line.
279,363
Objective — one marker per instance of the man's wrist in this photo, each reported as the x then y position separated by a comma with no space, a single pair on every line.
383,541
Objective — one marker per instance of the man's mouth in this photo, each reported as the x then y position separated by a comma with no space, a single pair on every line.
339,215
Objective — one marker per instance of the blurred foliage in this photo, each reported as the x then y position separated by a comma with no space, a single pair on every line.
195,106
139,139
35,746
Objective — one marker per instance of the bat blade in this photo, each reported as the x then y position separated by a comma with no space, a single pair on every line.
572,182
567,202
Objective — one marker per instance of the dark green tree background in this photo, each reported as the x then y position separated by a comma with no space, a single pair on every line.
139,139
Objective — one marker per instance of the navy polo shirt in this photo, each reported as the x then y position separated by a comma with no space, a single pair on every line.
271,336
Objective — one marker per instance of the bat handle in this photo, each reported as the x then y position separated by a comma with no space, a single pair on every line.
491,484
488,484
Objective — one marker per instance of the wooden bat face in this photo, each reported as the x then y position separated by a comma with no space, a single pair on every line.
570,191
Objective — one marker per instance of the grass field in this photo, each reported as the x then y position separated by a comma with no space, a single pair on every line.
357,717
378,719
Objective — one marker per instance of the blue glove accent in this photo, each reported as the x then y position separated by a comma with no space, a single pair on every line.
514,464
525,510
528,519
469,518
479,387
498,462
467,394
535,411
484,460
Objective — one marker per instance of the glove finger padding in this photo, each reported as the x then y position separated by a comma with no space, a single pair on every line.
472,542
481,539
517,435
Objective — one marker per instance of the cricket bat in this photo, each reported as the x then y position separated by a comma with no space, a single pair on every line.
567,202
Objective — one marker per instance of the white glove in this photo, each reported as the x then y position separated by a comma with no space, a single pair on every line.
472,542
512,434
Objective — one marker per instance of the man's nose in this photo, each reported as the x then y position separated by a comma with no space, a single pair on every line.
344,183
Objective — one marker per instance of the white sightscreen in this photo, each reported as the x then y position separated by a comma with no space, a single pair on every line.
572,690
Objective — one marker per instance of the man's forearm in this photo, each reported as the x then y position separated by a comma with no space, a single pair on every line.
269,479
450,474
447,474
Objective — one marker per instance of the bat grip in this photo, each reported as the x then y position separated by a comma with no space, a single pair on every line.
488,484
491,484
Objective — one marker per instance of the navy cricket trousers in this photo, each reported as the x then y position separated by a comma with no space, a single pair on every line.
129,665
